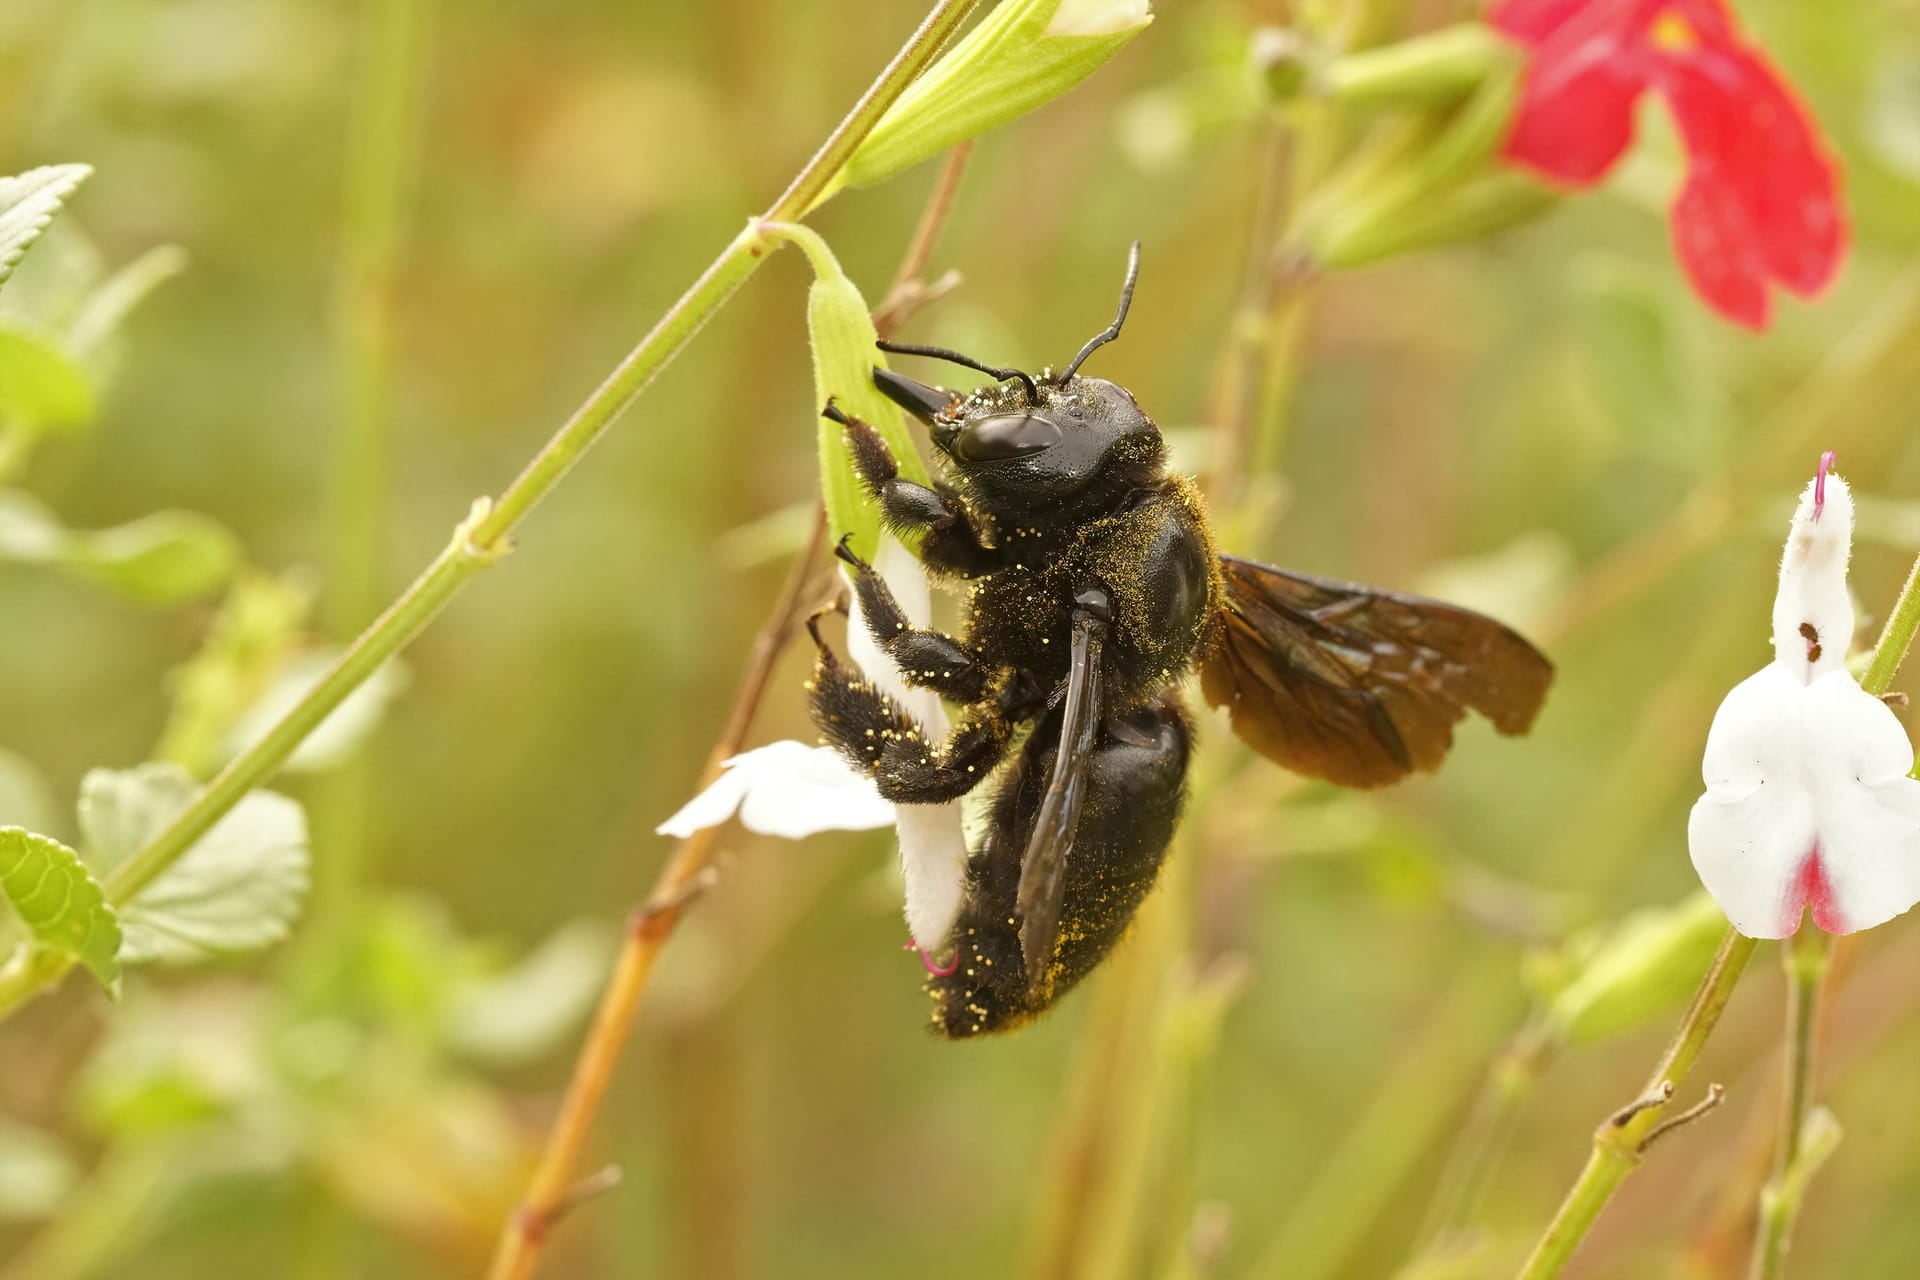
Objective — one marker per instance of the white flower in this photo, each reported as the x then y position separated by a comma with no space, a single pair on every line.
788,789
933,847
1808,802
785,789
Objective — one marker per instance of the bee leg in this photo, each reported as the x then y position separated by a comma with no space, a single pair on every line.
951,543
852,713
927,659
877,735
915,771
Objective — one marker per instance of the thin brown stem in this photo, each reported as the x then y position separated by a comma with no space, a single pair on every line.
1805,958
910,291
552,1190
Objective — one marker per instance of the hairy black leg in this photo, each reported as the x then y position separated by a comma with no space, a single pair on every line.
950,543
915,771
927,659
873,732
852,713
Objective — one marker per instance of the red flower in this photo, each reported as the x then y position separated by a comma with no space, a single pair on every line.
1761,201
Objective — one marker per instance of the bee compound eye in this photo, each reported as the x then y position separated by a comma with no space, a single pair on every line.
1006,435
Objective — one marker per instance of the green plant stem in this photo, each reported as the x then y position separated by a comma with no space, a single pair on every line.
382,145
378,172
1896,637
484,537
1805,959
1619,1143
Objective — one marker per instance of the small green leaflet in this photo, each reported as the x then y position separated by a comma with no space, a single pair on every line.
59,902
239,889
28,203
164,558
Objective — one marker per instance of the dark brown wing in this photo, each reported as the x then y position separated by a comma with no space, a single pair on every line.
1043,866
1356,685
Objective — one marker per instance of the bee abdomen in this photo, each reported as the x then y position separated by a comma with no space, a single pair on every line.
1135,785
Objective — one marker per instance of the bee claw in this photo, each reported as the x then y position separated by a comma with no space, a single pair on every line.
845,552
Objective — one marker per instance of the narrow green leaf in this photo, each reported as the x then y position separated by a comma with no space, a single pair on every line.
163,558
59,902
107,307
239,889
28,203
510,1017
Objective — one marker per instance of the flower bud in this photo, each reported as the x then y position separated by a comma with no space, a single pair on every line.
1639,969
1022,55
1479,207
1282,62
1429,70
844,358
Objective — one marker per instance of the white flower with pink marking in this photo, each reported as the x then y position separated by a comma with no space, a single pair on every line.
1808,803
792,790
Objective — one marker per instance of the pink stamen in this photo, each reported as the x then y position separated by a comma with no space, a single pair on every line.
1820,483
932,966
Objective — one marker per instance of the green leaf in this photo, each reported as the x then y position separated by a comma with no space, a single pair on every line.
340,735
513,1016
1641,968
28,203
1022,55
41,388
256,629
59,902
238,889
89,336
172,1062
165,558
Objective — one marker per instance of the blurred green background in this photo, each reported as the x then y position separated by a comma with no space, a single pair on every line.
1269,1080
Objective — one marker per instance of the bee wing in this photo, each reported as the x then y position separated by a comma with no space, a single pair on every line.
1357,685
1043,867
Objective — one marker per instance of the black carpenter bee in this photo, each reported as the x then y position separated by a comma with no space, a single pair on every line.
1093,588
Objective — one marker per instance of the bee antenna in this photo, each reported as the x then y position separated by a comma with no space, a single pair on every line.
954,357
1112,331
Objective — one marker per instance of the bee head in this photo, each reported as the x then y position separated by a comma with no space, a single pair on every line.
1028,437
